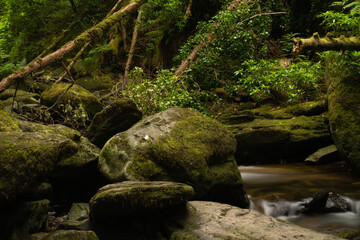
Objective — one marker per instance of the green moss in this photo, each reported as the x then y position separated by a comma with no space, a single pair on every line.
129,198
70,133
97,83
75,96
268,140
26,157
344,117
196,151
7,123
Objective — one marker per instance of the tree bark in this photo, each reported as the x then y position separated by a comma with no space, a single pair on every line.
132,50
90,35
113,9
325,44
73,5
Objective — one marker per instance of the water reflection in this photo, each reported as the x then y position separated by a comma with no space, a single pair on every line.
282,190
299,181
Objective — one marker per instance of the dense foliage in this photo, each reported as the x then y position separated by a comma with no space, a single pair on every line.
245,46
343,19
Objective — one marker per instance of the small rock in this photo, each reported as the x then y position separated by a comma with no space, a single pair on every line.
335,203
323,155
78,218
318,202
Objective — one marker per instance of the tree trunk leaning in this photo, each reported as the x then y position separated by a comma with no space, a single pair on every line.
89,35
325,44
132,50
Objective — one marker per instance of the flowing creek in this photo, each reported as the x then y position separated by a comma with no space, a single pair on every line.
278,189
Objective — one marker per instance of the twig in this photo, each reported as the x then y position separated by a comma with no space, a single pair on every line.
67,70
188,10
113,9
67,89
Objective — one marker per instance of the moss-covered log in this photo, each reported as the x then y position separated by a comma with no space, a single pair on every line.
325,44
89,35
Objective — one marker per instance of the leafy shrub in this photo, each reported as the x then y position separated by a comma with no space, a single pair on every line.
263,78
163,92
347,19
236,34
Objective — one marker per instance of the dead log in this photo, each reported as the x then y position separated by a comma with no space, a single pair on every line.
325,44
90,35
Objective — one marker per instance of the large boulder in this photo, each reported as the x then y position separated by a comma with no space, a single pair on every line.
55,152
76,97
178,145
275,135
78,163
209,220
137,199
117,117
344,117
26,157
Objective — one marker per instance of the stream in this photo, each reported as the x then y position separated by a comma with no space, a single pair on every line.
275,189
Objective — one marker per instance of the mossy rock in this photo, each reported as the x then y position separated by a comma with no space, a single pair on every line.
7,122
28,218
76,97
323,156
179,145
344,117
26,157
86,151
230,117
137,199
306,109
78,218
275,140
117,117
65,235
21,96
77,172
97,83
70,133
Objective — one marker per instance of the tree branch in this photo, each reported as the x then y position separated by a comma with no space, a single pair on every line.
132,50
325,44
90,35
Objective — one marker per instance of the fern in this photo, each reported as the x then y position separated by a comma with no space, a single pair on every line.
352,5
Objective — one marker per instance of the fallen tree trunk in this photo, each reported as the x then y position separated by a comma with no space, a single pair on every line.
325,44
89,35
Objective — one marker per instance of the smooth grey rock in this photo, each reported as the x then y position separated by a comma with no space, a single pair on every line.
213,221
